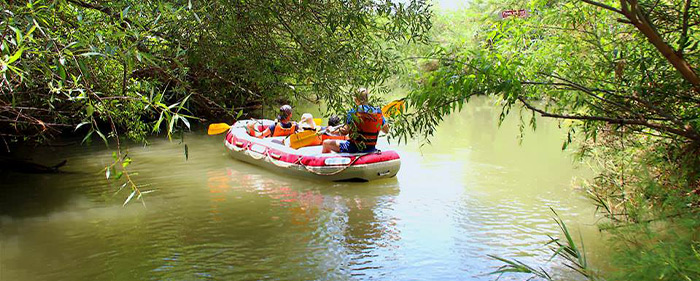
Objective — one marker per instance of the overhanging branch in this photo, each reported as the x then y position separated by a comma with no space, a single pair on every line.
620,121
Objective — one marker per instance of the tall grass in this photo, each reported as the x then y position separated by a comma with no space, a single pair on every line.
572,256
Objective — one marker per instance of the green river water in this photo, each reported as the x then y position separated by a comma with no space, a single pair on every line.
473,192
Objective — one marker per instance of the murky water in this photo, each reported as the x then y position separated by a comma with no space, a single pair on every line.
473,192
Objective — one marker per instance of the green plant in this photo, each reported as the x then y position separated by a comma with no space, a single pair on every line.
573,256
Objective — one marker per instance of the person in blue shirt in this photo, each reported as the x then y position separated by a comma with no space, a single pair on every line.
363,124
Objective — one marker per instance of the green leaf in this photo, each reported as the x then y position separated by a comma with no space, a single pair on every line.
103,137
89,54
87,136
61,71
31,30
125,12
16,56
80,125
127,160
129,198
182,103
172,122
108,172
121,187
187,156
83,68
184,120
89,110
156,127
18,35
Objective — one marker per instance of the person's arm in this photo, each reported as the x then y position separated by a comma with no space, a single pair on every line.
268,131
385,126
344,130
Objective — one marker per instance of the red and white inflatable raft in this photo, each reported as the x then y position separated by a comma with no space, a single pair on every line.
308,161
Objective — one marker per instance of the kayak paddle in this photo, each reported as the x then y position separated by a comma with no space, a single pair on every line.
301,139
218,128
394,108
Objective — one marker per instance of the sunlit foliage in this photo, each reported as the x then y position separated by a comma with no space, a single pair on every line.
621,78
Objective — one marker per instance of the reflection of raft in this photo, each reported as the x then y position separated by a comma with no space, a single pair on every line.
309,161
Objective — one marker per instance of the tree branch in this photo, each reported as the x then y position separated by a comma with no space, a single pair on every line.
102,9
684,33
610,8
619,121
634,14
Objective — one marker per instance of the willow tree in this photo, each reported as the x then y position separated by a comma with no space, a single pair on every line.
120,69
127,68
622,77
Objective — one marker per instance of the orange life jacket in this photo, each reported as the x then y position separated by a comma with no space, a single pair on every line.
318,139
367,127
283,132
259,132
322,137
329,137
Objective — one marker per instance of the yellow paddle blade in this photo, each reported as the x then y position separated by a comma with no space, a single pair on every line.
318,121
394,108
301,139
218,128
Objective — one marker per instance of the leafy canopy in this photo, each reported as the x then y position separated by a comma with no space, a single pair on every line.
127,68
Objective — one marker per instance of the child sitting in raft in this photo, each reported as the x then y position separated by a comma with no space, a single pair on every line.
283,125
307,122
333,126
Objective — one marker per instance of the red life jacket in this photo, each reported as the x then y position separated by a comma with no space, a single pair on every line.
367,127
283,132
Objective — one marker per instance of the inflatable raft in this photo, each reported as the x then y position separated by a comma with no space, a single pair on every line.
275,154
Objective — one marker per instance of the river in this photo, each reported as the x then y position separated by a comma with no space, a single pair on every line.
472,192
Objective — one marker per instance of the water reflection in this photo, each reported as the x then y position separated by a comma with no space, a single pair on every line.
339,226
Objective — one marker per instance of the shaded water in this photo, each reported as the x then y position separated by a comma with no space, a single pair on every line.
473,192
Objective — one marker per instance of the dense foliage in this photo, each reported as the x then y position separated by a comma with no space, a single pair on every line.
127,68
620,75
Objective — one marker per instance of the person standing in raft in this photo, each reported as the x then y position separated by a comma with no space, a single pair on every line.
283,125
363,126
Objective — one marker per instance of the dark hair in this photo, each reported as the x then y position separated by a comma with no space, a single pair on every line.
285,111
334,121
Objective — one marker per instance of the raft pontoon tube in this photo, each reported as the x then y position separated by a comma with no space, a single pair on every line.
308,161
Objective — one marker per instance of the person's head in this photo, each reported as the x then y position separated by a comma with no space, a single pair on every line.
334,121
362,96
307,121
285,113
